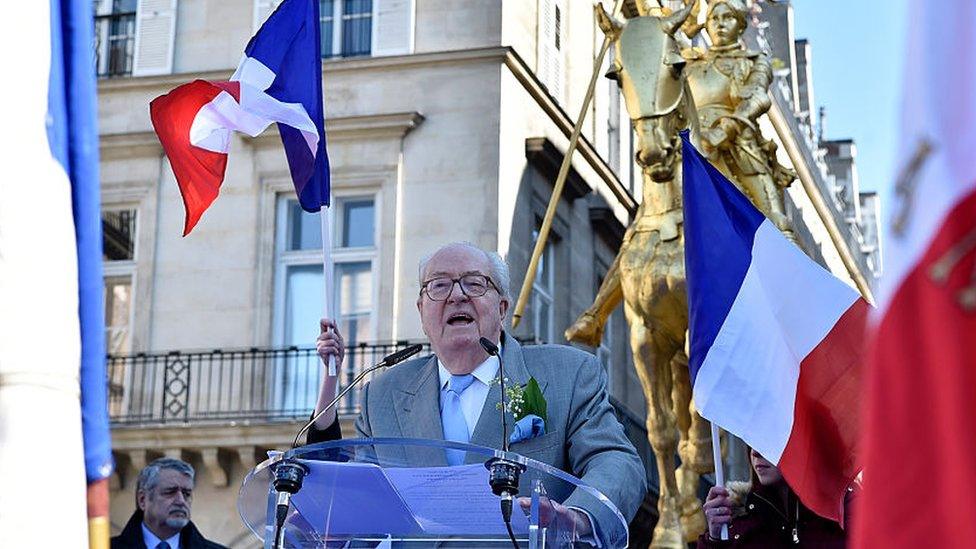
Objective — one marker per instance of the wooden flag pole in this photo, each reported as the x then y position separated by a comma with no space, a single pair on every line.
325,215
557,190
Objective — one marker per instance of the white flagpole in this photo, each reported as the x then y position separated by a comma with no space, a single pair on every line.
719,470
325,214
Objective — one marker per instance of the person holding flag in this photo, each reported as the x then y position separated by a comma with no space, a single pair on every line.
766,513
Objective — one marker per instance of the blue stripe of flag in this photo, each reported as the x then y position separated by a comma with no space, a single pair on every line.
72,127
719,227
289,44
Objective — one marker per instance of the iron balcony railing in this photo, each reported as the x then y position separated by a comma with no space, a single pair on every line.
258,386
229,385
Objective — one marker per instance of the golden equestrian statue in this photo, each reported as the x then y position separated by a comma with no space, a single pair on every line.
719,93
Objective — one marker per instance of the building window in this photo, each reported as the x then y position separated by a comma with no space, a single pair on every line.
115,33
347,27
118,256
542,292
299,287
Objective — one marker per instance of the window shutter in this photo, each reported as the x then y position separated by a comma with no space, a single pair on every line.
544,38
393,25
560,16
550,62
262,9
155,32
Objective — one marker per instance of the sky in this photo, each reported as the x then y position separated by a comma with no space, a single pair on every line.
857,52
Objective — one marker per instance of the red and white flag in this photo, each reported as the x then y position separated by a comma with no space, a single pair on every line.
919,445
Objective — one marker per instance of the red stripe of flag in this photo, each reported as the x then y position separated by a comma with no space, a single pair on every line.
819,460
198,172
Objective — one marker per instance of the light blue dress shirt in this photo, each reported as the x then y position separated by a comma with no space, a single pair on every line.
152,541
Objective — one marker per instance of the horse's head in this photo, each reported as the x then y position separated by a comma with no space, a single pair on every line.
648,67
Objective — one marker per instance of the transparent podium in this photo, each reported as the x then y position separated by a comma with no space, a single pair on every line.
401,493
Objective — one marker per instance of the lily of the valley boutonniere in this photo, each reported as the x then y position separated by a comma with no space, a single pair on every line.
528,407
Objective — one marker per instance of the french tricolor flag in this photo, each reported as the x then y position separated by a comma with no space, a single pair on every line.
776,340
279,80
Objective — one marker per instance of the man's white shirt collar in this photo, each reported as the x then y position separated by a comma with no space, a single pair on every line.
152,541
473,398
485,372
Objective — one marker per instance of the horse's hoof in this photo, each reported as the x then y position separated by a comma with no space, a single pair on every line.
585,330
667,532
668,537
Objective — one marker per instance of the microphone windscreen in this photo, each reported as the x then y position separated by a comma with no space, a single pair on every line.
402,354
489,347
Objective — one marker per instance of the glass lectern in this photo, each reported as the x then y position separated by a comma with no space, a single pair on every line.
401,493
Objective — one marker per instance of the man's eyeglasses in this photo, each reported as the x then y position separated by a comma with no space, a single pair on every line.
472,285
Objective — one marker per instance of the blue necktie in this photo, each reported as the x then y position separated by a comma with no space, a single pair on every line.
163,545
452,417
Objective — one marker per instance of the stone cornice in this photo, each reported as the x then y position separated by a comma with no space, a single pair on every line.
547,158
392,125
128,145
329,67
213,446
344,128
198,435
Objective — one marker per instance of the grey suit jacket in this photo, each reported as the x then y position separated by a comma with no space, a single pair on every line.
583,437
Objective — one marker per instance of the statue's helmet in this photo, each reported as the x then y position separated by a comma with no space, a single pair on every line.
647,64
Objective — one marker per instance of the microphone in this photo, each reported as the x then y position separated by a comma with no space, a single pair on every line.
489,347
504,474
389,360
399,356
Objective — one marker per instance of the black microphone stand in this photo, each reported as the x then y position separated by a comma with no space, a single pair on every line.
289,473
504,473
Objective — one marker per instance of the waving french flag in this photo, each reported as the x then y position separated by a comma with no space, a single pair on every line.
776,340
279,80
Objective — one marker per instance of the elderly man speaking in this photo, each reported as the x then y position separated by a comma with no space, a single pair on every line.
451,395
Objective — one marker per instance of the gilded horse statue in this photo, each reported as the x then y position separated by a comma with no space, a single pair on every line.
649,271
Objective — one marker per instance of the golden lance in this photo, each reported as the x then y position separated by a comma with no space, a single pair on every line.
557,190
